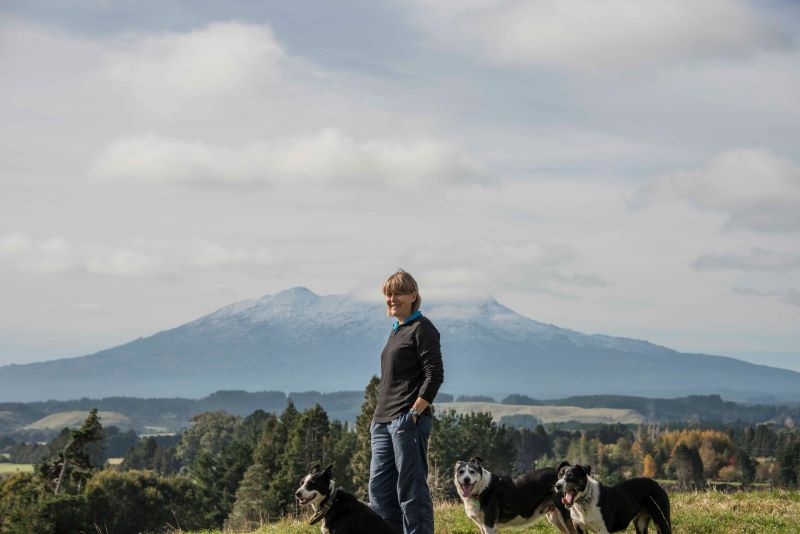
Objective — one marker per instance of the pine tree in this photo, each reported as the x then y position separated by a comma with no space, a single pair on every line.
746,466
210,433
210,448
339,449
363,453
787,461
254,503
73,465
688,467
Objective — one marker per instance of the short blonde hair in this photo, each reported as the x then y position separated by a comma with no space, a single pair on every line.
402,283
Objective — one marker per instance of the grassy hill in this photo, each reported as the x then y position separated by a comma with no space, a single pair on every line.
74,419
773,512
546,414
10,469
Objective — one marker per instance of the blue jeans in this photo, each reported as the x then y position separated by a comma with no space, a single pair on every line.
398,473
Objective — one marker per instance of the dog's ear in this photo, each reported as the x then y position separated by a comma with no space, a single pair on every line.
315,469
476,460
587,468
561,468
329,469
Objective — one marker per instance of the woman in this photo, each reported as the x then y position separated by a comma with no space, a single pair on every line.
411,373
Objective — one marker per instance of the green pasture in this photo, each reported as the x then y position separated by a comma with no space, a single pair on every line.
708,512
8,469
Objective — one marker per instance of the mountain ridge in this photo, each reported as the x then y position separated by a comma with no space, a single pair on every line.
288,341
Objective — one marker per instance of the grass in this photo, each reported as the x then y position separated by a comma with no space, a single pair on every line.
771,512
9,469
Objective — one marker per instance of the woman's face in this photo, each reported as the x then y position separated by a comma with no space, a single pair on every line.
399,305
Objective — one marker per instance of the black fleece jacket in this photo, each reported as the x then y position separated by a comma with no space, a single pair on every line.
411,367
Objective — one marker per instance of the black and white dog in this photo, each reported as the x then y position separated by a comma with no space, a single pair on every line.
493,501
341,511
595,507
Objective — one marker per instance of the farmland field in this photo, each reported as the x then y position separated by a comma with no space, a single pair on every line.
75,418
7,469
708,512
546,414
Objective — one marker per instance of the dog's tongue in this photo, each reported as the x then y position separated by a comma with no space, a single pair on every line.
567,499
467,489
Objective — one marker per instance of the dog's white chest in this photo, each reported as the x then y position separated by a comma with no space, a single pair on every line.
472,508
588,516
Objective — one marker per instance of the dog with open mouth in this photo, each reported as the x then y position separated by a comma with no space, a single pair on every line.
595,507
339,511
497,501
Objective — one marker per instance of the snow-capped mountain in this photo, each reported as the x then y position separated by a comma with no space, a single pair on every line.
297,340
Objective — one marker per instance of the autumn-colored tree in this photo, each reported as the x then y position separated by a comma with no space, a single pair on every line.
649,466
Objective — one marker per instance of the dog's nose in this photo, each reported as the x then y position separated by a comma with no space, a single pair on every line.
467,480
297,494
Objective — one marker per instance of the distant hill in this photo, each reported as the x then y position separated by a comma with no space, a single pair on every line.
299,341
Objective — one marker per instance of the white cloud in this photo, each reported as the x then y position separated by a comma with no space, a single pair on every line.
497,265
55,256
139,259
754,188
123,262
328,156
209,255
757,260
171,70
589,35
89,308
13,244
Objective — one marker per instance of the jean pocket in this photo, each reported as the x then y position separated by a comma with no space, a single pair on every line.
401,424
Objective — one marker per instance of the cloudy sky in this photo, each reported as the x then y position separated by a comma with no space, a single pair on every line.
627,167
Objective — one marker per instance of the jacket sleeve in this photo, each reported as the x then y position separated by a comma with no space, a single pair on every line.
430,355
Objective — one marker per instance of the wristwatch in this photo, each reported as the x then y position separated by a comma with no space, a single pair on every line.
413,411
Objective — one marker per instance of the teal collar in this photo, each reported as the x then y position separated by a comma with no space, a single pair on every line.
396,324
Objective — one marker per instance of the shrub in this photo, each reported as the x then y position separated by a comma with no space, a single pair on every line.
28,507
130,502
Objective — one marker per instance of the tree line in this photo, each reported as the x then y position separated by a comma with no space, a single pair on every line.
239,472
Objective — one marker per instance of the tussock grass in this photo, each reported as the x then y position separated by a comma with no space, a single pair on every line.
707,512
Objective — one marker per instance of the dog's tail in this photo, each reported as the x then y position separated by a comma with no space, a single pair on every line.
664,517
